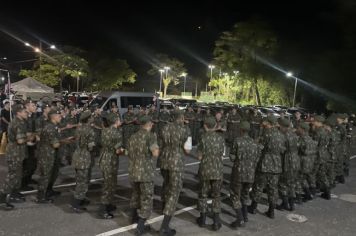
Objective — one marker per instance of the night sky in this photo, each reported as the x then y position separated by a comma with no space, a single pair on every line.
136,30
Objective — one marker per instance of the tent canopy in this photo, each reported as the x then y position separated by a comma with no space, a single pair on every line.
30,85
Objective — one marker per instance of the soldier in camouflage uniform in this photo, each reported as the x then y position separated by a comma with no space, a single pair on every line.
189,117
164,118
48,145
30,162
142,147
210,151
247,153
321,136
111,139
129,124
290,168
307,152
70,123
15,154
174,136
340,149
233,122
85,137
255,120
334,140
269,167
198,124
154,114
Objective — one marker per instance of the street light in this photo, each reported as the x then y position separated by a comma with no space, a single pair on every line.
290,74
37,50
160,81
53,46
236,72
185,78
27,44
79,74
211,67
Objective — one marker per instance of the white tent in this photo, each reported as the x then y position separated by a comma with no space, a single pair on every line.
31,88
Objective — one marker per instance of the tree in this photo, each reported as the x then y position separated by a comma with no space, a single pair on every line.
242,47
112,74
53,67
170,76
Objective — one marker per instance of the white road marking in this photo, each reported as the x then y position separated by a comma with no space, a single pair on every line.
100,179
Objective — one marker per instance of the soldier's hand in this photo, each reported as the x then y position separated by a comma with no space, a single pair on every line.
155,152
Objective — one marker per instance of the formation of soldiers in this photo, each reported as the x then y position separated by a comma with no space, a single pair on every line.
289,159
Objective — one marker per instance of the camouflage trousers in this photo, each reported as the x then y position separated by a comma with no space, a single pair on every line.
323,177
339,164
239,193
266,181
13,179
288,184
308,180
81,179
55,171
214,187
29,165
142,198
45,168
172,185
109,185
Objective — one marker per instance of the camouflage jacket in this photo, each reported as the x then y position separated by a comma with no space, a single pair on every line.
211,146
190,116
320,135
141,163
343,138
85,137
111,138
31,123
173,138
49,137
17,130
73,121
247,153
129,117
40,123
164,117
334,143
274,147
291,159
307,152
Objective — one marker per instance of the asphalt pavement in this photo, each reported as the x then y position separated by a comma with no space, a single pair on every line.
318,217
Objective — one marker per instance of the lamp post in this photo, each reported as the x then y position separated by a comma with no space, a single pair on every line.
290,74
160,80
79,73
211,67
185,79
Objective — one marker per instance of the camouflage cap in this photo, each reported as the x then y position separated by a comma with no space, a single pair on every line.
144,119
85,115
304,126
270,119
284,122
210,122
319,119
245,126
54,111
17,108
112,118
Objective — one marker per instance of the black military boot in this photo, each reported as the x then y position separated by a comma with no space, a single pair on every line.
52,193
313,192
346,172
239,222
104,213
252,209
5,198
284,204
217,222
141,227
85,202
201,221
111,207
165,230
341,179
42,198
326,194
134,218
307,195
270,212
17,197
245,213
76,206
291,204
299,199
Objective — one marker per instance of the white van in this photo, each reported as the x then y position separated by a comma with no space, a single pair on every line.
105,100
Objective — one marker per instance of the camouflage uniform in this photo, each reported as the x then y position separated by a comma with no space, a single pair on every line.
198,125
308,155
129,128
291,166
47,158
211,147
340,150
82,159
255,122
334,140
270,166
164,119
247,153
141,171
15,154
233,127
174,136
190,116
111,139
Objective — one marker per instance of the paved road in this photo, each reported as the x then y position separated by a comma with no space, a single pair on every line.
334,217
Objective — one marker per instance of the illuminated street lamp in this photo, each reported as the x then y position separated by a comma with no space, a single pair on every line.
27,44
290,74
185,78
78,75
160,81
236,72
53,46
